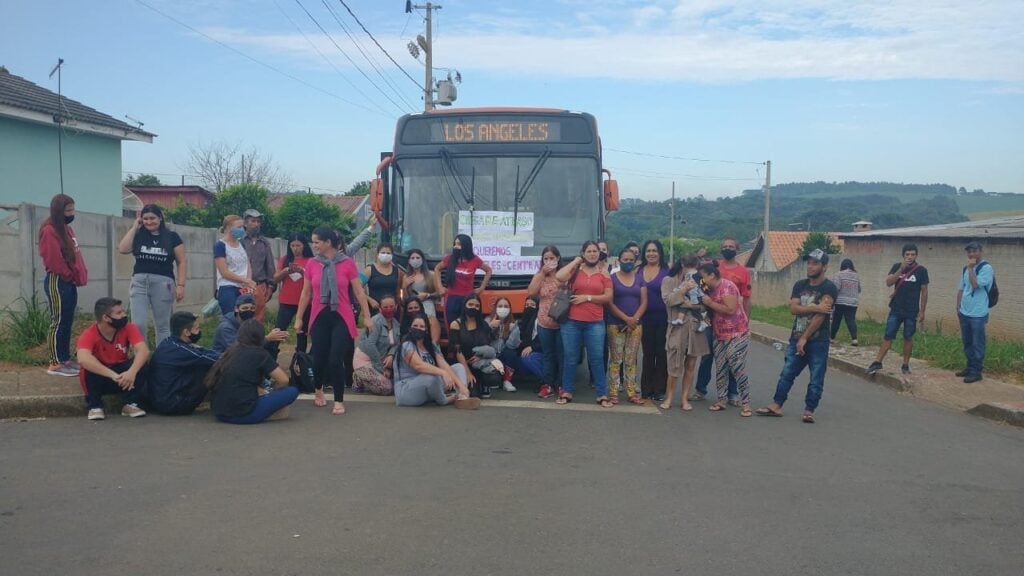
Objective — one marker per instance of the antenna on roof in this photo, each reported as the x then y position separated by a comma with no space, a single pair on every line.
58,119
135,120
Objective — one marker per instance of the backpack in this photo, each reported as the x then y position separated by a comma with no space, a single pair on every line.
300,373
993,291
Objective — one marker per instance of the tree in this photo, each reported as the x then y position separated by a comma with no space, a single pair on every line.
818,240
221,165
301,213
186,214
236,200
142,180
359,189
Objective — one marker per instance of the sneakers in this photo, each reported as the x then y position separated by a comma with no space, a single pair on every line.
507,386
677,322
905,369
485,392
132,411
74,364
545,391
63,369
972,378
960,373
96,414
874,368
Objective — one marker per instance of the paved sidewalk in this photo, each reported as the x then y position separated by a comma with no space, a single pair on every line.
28,392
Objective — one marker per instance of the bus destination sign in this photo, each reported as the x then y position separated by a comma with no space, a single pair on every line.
507,131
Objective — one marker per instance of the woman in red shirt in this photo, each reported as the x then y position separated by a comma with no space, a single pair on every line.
65,272
591,291
290,272
457,271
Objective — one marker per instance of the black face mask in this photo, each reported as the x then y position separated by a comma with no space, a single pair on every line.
119,323
417,334
193,338
728,253
474,313
69,219
456,252
244,315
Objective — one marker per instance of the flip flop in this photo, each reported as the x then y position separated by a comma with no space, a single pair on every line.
808,418
604,402
716,407
766,411
563,398
636,400
686,408
338,409
746,412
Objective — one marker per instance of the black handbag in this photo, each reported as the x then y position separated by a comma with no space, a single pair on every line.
559,310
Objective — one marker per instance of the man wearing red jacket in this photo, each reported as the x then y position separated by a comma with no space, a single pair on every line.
65,272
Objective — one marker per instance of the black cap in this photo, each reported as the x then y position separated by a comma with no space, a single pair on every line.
817,254
973,245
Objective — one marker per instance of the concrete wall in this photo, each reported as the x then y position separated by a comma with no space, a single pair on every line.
30,169
944,260
21,271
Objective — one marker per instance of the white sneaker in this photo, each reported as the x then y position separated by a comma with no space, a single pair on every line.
676,322
508,386
702,326
96,414
132,411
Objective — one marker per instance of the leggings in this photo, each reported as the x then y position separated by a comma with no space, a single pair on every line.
62,298
332,348
731,359
654,376
266,405
286,317
848,313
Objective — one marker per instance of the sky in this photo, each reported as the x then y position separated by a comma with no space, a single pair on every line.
699,93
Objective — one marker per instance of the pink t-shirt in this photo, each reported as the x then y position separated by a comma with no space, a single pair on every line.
346,272
729,326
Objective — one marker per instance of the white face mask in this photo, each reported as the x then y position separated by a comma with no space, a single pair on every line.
415,262
502,312
384,258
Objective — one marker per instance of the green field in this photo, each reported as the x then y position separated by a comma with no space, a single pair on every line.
986,204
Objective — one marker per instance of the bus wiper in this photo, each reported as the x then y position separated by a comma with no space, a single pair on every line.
468,196
521,193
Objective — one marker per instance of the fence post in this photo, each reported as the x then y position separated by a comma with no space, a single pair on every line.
26,233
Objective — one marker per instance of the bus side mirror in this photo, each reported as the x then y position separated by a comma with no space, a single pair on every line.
611,195
376,195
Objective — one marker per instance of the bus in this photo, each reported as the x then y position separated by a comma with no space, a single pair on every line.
514,179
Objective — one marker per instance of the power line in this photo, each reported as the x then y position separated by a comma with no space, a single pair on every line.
198,177
328,60
373,64
670,175
667,157
259,62
393,61
345,54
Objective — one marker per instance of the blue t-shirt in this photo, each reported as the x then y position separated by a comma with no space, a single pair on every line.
974,302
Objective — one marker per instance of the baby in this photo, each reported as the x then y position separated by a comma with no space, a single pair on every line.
694,296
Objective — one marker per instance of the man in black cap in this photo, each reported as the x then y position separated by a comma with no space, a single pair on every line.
973,300
227,330
811,303
261,260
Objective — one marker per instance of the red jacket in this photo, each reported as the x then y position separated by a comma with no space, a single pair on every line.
53,259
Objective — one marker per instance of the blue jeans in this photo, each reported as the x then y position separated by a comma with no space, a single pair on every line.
704,371
591,336
551,349
265,406
453,308
62,298
816,357
226,297
972,333
533,364
892,326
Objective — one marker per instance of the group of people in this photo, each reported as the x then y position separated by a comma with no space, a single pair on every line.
683,317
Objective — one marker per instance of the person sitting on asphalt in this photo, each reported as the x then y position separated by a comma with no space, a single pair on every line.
236,380
422,375
374,350
111,352
175,384
506,340
531,348
468,336
411,308
227,330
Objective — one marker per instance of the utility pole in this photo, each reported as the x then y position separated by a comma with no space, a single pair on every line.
58,119
672,226
428,50
767,212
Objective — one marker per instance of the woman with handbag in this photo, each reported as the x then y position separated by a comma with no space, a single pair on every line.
590,288
544,286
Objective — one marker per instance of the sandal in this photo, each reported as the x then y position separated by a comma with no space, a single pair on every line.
563,398
614,400
808,418
686,407
636,400
339,409
318,398
716,407
665,405
604,402
766,411
746,412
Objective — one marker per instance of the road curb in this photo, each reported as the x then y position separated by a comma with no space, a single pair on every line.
887,380
42,406
1012,414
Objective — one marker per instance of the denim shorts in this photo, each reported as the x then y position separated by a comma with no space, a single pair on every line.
892,325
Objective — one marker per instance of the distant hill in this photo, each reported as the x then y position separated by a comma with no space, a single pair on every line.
821,206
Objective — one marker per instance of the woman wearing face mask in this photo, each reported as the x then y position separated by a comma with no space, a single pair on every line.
382,277
232,264
466,336
629,300
332,327
732,336
290,271
411,308
531,349
685,342
374,350
591,291
156,250
457,272
65,272
419,283
422,375
506,340
544,286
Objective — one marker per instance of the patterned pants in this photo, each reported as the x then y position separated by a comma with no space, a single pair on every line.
622,350
731,358
368,379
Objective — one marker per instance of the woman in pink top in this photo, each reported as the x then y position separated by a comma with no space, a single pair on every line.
545,286
332,325
732,336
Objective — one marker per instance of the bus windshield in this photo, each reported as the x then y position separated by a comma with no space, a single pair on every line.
512,206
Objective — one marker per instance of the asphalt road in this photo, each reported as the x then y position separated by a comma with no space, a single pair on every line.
882,484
